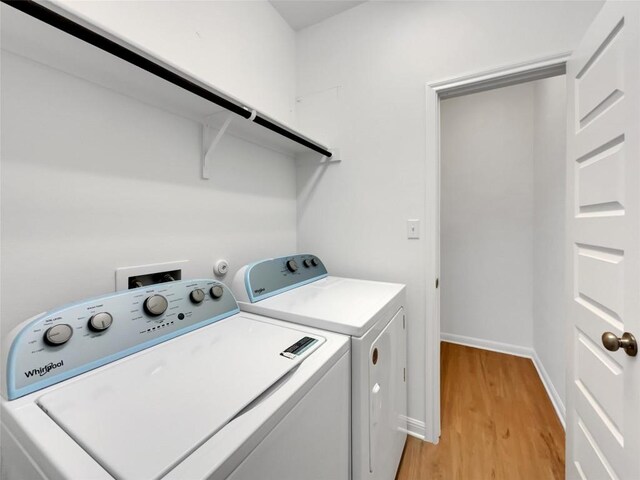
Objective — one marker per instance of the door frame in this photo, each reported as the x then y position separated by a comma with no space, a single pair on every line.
490,79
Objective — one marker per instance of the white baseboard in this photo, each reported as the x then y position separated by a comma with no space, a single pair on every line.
551,390
416,428
500,347
519,351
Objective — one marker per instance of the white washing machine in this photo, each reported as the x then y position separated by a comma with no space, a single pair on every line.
173,382
298,289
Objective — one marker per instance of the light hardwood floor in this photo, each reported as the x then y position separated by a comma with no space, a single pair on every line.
497,422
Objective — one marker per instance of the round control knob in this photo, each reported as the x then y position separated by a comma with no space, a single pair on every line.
58,334
315,262
292,266
216,292
197,296
100,321
307,263
155,305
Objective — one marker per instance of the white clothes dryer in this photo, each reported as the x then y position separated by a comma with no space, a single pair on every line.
298,289
172,381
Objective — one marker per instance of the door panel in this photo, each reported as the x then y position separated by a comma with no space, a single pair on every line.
601,182
590,461
600,278
603,154
599,83
600,381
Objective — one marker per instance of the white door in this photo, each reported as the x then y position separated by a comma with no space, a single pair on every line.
603,151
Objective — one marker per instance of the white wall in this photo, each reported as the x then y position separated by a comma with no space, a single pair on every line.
380,55
549,172
502,222
486,219
92,180
244,48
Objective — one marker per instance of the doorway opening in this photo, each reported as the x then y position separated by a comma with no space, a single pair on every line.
518,79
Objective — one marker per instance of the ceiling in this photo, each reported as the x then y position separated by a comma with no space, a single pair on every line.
302,13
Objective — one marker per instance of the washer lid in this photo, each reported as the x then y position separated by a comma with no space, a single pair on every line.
342,305
142,416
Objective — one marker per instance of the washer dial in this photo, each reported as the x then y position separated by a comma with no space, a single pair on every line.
197,296
155,305
100,321
216,292
58,334
292,266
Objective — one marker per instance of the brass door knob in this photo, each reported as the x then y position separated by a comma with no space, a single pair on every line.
627,342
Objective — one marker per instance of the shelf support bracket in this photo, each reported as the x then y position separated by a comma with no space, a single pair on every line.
209,145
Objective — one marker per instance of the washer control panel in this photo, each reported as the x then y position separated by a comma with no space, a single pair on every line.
276,275
80,337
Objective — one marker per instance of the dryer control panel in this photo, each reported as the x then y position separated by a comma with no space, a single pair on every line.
270,277
77,338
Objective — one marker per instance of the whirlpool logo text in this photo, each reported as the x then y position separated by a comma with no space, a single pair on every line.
44,369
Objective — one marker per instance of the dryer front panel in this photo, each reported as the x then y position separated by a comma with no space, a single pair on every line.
387,398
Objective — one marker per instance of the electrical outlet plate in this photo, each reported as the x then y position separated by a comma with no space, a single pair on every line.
123,274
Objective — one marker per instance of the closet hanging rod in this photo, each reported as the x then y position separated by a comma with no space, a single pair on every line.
260,120
56,20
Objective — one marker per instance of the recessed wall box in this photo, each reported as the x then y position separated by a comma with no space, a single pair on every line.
143,275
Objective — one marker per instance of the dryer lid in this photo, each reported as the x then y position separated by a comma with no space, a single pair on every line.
342,305
141,417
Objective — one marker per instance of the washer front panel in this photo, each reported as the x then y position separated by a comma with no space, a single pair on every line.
270,277
35,363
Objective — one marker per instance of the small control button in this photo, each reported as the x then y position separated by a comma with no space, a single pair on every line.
315,262
197,296
155,305
58,334
100,321
292,265
216,291
180,316
307,263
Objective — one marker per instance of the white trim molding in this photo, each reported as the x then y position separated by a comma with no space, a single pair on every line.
504,76
499,347
519,351
558,405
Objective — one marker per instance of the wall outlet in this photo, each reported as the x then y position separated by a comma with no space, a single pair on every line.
143,275
413,229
